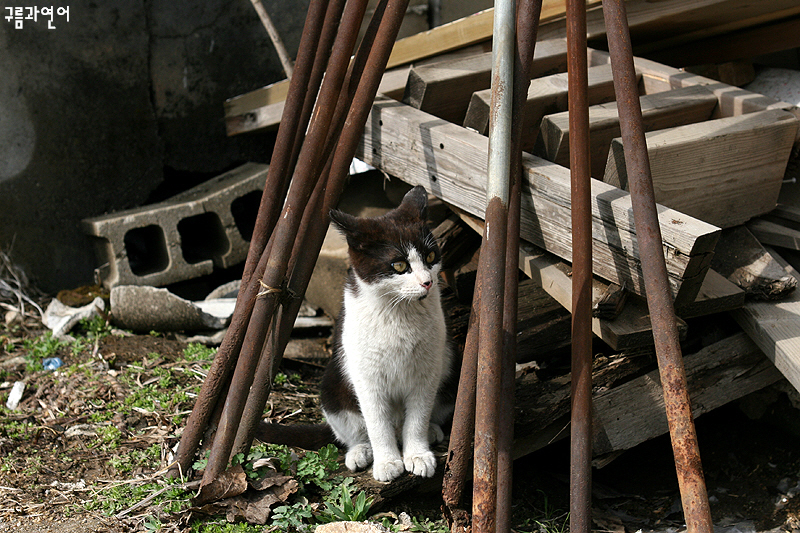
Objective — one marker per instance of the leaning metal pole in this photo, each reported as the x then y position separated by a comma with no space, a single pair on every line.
581,414
307,173
492,269
659,296
217,379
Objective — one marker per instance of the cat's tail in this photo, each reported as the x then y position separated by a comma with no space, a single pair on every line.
306,436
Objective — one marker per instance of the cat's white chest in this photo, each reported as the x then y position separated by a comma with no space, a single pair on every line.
394,347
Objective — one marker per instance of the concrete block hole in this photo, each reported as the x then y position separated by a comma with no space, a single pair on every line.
244,210
202,238
146,248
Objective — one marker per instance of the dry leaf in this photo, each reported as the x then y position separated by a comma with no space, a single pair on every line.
230,483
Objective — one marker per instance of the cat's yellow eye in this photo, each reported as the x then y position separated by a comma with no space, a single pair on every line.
431,257
400,266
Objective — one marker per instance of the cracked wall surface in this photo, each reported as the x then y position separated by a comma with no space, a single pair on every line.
118,107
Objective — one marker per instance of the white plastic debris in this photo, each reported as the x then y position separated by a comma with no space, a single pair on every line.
62,318
15,395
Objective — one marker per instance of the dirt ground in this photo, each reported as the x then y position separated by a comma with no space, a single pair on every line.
77,436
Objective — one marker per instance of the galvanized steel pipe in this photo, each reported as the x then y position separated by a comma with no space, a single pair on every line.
492,269
527,23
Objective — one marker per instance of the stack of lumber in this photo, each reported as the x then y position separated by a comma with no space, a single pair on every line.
718,156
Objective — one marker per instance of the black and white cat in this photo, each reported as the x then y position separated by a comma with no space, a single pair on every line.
391,356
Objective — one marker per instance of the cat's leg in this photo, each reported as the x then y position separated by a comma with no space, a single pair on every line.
440,416
350,429
417,455
387,462
435,433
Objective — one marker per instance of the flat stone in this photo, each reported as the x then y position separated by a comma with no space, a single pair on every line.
152,309
351,527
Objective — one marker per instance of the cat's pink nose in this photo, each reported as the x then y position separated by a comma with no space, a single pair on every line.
427,285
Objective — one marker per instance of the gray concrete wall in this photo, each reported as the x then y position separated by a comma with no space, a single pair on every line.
119,106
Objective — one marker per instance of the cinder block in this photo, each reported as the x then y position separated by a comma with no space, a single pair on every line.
183,237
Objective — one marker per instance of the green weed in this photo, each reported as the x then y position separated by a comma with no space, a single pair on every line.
41,348
292,517
199,352
340,505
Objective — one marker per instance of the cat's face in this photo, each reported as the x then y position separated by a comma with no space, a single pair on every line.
396,254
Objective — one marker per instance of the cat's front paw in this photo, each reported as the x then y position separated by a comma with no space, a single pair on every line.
387,470
358,457
421,464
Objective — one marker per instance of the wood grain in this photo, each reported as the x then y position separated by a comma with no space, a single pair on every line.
444,88
775,328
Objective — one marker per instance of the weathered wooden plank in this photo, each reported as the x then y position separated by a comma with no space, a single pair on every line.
450,161
663,25
627,414
716,295
661,110
634,412
444,88
742,259
545,96
775,328
631,329
247,112
468,30
732,101
773,234
453,36
743,37
787,212
722,171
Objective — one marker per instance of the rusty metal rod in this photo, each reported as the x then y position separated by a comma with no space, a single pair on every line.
305,251
685,448
219,373
307,172
579,155
327,37
491,267
528,13
463,428
278,337
490,349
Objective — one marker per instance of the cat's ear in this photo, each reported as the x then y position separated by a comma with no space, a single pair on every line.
416,202
347,224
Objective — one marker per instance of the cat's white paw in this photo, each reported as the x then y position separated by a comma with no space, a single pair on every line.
435,433
387,470
421,464
358,457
